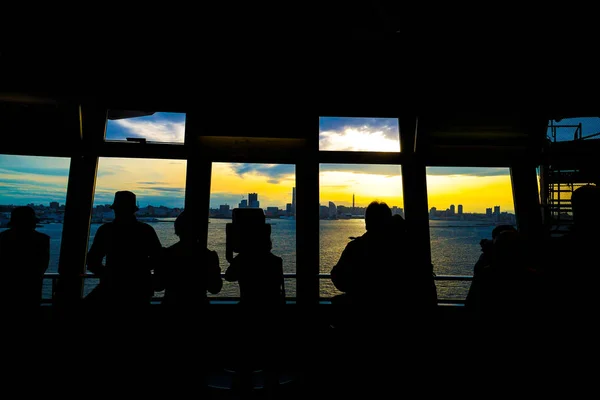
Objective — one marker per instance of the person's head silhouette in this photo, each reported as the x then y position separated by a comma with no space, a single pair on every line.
510,249
378,216
185,227
585,201
22,219
124,204
502,228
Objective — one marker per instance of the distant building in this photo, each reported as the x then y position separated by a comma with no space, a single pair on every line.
323,212
398,211
253,200
432,212
460,209
54,205
332,211
452,209
488,212
272,211
294,200
243,204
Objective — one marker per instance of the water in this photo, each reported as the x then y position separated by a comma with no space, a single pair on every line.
454,249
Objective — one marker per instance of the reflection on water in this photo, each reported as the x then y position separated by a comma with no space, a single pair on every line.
454,249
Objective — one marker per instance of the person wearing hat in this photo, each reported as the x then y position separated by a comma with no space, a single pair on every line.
131,249
24,258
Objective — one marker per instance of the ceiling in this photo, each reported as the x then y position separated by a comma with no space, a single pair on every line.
341,58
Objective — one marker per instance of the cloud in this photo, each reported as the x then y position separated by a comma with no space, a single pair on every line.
28,182
470,171
160,127
221,198
152,183
106,167
274,172
395,170
20,191
36,170
375,169
145,197
389,126
336,186
163,189
358,134
102,173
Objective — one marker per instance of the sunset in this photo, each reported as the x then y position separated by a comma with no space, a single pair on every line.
158,182
242,213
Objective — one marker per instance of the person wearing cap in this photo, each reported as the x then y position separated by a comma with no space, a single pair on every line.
131,249
24,258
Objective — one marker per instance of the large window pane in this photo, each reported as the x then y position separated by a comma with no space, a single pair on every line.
359,134
159,186
465,205
345,191
267,186
40,182
153,127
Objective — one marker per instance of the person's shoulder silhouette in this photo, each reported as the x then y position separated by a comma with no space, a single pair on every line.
572,258
24,258
258,271
188,269
351,273
508,286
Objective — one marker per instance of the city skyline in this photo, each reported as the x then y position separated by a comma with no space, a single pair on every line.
27,179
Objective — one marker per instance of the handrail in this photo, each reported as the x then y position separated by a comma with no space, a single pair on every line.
55,275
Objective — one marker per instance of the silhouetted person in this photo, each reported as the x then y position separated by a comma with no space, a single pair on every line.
258,271
379,278
572,260
487,246
131,248
188,270
24,258
260,323
507,287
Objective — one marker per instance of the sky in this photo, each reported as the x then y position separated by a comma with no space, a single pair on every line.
40,180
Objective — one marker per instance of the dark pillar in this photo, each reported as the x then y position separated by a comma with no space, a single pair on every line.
78,210
307,221
198,176
414,182
526,199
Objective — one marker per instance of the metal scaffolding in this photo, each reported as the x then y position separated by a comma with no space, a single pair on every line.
558,180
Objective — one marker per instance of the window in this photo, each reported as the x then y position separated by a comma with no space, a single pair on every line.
159,186
465,204
149,126
345,191
40,182
267,186
573,129
359,134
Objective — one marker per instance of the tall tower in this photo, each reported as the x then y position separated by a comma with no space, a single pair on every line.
353,202
253,200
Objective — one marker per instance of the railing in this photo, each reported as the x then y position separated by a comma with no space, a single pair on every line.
54,276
